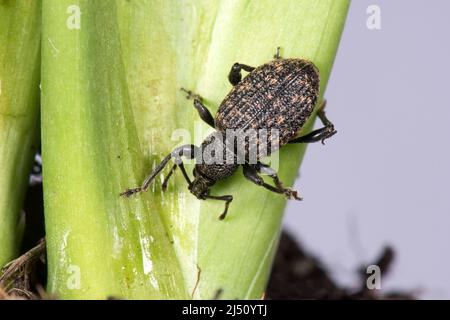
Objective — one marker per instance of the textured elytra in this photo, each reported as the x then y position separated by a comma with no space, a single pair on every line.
278,95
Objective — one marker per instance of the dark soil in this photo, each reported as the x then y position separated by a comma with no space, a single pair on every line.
296,274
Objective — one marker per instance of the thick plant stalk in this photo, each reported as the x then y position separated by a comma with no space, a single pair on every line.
19,110
98,244
193,45
110,89
307,29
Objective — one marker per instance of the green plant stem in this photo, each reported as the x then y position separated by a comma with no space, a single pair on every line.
98,244
193,45
307,29
19,110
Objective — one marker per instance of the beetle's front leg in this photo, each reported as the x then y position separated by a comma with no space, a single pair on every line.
320,134
227,199
174,167
235,75
188,151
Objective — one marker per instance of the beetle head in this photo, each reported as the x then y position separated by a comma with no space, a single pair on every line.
201,184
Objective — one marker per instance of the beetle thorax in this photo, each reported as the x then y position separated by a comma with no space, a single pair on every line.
217,162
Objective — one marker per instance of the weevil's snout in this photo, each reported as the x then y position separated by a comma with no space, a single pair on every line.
201,184
198,189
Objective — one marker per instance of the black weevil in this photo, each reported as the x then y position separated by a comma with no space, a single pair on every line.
276,97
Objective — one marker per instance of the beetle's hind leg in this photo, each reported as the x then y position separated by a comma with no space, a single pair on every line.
188,151
203,112
320,134
251,173
235,75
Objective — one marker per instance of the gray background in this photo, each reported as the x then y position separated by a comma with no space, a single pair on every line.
384,178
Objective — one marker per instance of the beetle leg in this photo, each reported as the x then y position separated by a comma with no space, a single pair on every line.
251,173
166,178
185,175
227,199
320,134
174,167
203,112
277,54
235,75
188,151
